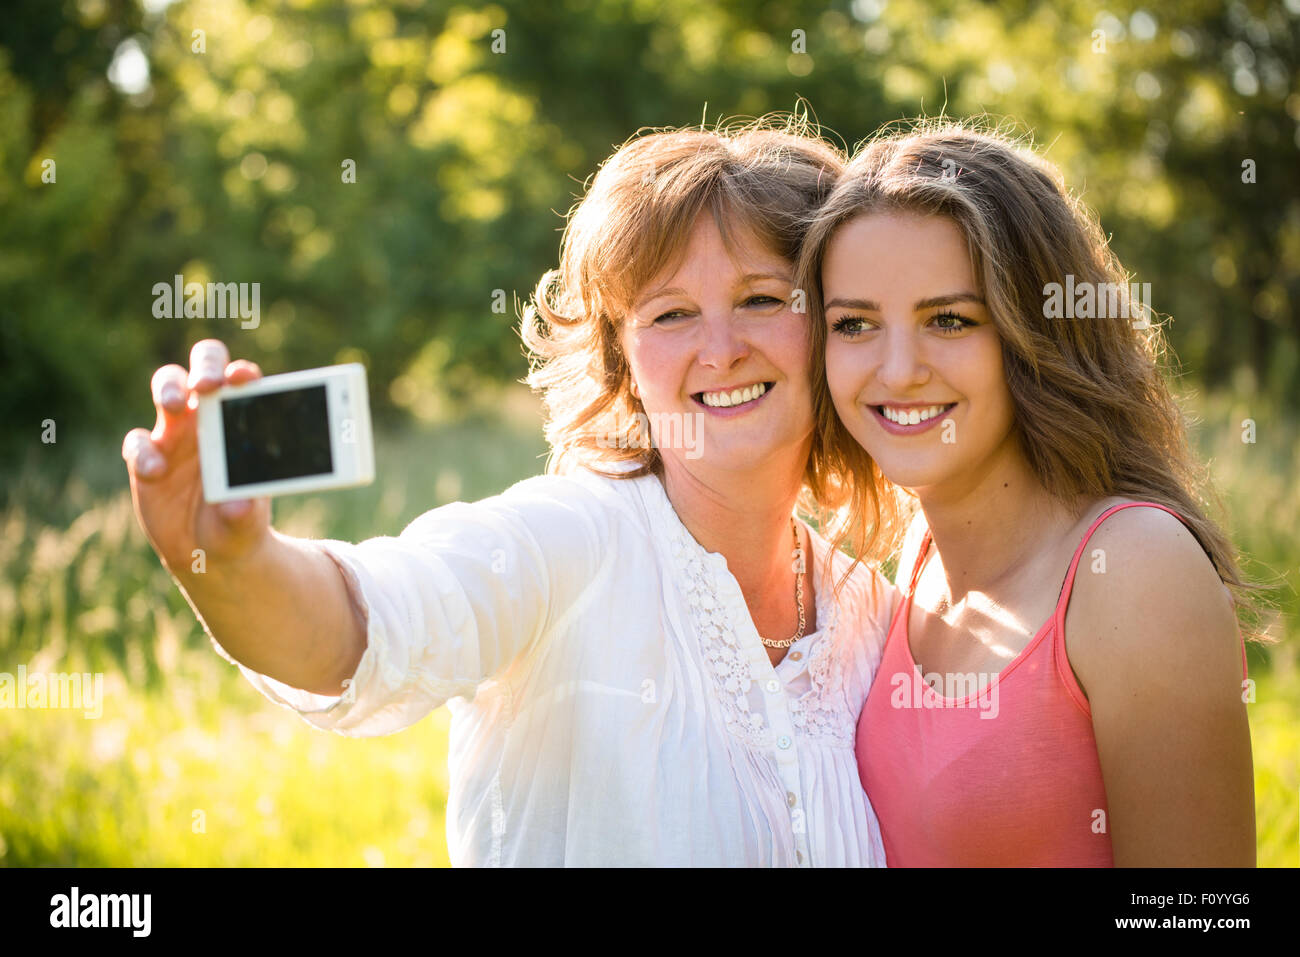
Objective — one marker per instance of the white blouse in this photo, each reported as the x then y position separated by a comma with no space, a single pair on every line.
611,701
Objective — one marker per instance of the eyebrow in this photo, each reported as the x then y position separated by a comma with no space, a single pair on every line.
678,291
659,294
868,305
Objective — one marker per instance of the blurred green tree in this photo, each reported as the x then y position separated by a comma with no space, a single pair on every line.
392,173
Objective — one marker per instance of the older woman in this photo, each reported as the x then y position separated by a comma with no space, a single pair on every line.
649,659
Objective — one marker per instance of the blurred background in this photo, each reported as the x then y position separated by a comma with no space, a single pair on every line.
394,175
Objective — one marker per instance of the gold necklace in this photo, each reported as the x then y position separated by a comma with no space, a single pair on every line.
798,565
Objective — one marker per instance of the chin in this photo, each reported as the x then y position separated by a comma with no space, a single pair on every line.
737,453
913,471
737,459
912,479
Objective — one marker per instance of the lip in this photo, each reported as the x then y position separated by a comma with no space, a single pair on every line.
732,411
909,405
893,428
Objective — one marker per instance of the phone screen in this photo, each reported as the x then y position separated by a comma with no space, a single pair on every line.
277,435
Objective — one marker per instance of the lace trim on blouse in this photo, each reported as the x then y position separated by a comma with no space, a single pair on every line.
822,711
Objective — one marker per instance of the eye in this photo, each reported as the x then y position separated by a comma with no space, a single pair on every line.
849,326
949,323
669,317
762,301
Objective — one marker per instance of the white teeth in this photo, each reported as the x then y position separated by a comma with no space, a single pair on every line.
724,400
911,416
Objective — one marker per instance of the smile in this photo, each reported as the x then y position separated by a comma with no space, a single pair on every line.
909,421
729,398
912,416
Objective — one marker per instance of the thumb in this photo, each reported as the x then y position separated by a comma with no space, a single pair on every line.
234,512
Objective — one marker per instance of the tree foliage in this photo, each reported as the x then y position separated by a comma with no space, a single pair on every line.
471,129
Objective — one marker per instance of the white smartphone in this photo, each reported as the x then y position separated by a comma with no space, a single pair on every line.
297,432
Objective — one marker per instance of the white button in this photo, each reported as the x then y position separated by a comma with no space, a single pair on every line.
783,742
795,655
773,685
790,798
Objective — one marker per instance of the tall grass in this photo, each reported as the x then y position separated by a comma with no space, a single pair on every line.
1253,455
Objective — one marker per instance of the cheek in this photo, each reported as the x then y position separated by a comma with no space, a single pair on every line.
1006,409
989,376
654,365
786,346
792,344
844,375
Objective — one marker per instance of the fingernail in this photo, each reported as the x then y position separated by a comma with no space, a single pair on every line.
148,464
171,395
211,371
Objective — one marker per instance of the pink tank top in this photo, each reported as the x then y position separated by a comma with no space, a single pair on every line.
1004,777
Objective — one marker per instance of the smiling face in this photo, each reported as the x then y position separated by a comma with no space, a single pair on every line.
913,361
716,341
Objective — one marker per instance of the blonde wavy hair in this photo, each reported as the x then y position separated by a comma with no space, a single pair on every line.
765,178
1092,407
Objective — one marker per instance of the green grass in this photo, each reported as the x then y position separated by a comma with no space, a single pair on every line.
1275,739
207,775
182,732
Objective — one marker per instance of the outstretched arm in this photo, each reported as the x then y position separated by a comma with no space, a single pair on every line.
409,622
276,604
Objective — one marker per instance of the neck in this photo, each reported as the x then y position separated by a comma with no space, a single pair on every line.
742,515
991,522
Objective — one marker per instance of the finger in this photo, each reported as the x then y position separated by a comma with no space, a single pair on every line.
244,515
170,397
208,361
242,370
170,388
143,459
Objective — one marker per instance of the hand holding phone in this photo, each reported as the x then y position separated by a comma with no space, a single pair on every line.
275,603
190,535
302,431
194,533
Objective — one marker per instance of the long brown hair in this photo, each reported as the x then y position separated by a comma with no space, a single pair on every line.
766,177
1095,415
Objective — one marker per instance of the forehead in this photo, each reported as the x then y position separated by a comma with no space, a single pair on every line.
708,247
899,246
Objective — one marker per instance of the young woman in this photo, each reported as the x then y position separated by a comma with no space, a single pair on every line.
1063,681
643,658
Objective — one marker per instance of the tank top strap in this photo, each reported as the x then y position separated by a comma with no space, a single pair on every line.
1067,586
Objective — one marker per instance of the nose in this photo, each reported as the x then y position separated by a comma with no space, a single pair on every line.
722,347
902,366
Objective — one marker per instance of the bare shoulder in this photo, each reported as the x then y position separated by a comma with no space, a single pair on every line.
1147,603
1152,638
